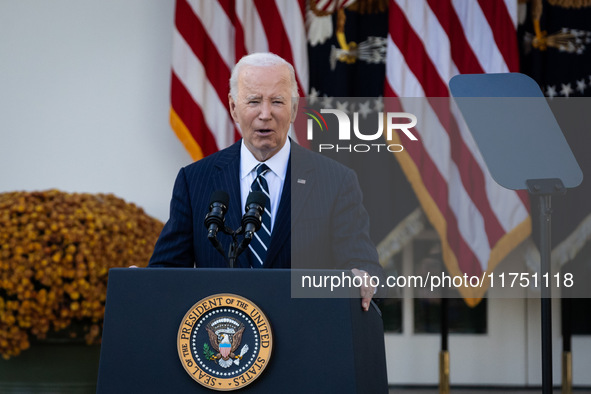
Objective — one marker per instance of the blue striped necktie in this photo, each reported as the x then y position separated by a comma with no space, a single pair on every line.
260,242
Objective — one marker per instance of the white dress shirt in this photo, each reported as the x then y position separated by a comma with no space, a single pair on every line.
275,178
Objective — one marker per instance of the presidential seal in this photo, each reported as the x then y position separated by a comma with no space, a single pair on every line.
224,342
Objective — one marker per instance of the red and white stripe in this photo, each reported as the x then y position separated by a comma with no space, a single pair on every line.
429,42
209,38
331,6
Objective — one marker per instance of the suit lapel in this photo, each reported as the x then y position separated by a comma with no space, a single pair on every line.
298,182
303,179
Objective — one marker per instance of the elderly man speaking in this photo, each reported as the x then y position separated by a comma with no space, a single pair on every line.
313,217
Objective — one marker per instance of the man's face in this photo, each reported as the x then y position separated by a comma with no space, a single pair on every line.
263,108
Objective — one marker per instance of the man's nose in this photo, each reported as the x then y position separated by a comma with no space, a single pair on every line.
265,113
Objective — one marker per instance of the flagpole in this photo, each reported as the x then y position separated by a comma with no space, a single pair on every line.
444,353
567,361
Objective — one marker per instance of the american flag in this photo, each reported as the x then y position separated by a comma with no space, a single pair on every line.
209,38
430,41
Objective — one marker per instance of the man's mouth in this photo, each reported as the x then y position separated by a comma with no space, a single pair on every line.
264,131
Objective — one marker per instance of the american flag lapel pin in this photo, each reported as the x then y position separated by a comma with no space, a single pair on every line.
302,181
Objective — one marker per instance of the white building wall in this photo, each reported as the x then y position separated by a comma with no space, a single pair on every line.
84,99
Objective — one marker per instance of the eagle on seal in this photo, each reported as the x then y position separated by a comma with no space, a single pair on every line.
225,344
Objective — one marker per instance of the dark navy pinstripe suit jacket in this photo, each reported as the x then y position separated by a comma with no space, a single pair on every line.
320,223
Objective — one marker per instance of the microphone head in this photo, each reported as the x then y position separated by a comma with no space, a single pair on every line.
256,197
221,197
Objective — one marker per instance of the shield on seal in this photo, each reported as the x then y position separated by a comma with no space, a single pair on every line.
225,347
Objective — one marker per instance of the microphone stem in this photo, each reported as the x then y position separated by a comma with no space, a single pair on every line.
216,244
243,245
233,252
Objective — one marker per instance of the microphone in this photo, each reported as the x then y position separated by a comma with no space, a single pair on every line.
218,206
252,219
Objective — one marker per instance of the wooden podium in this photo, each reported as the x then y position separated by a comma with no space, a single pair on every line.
319,345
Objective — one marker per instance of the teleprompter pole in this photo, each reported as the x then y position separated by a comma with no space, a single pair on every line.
545,222
542,190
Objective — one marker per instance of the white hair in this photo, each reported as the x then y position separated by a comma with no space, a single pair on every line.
261,59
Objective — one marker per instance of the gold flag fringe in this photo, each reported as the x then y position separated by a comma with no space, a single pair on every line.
570,3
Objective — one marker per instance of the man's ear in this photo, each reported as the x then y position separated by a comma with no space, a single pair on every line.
232,105
294,108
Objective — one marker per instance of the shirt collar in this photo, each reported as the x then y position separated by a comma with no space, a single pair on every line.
277,163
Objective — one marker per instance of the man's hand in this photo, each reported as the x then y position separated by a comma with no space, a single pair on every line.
366,292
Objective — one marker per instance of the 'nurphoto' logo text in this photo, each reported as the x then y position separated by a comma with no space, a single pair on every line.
395,121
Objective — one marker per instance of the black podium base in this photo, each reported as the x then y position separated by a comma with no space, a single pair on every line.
319,345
